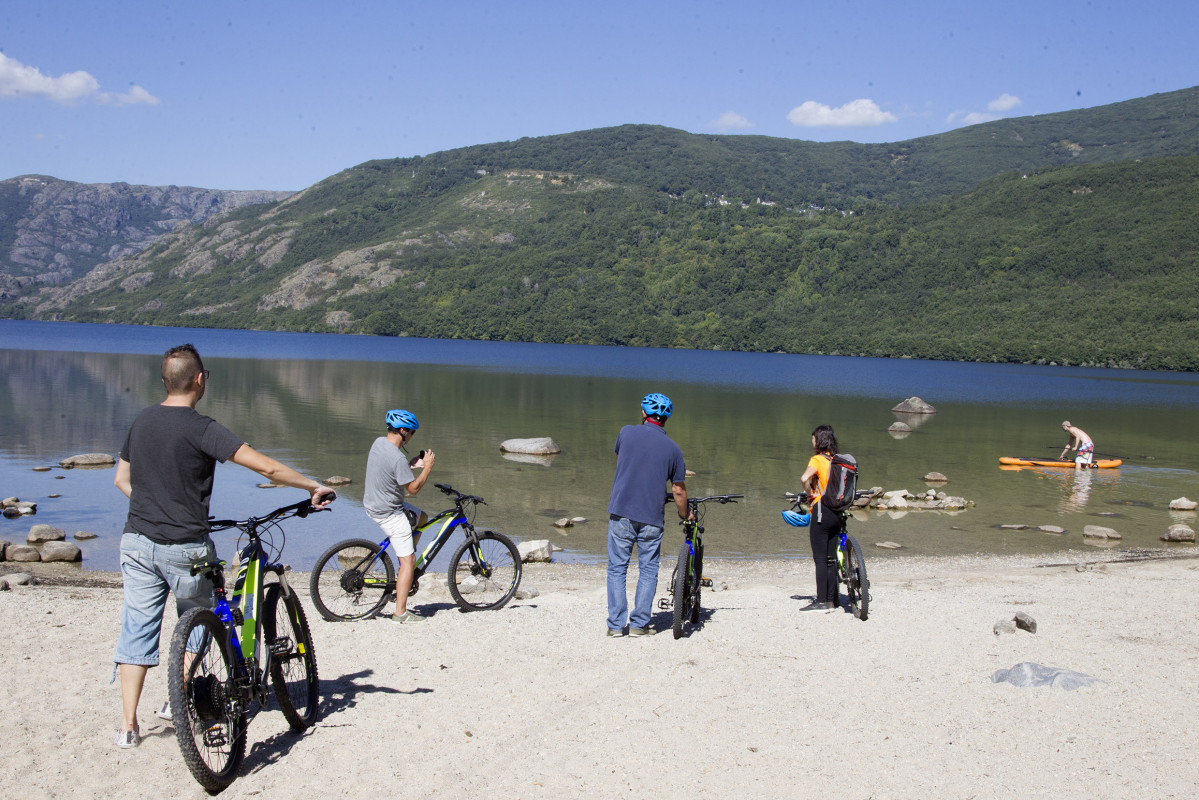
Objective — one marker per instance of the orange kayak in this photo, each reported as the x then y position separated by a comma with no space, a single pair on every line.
1099,463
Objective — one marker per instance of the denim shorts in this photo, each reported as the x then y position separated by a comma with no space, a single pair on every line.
149,571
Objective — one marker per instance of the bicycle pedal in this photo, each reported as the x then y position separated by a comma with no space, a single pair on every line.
665,603
705,581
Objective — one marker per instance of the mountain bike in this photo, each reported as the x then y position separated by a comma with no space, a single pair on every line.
222,659
688,576
851,566
354,579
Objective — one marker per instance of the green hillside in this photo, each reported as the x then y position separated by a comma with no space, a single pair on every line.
1065,238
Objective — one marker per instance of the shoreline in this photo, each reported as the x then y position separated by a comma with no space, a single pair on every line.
758,700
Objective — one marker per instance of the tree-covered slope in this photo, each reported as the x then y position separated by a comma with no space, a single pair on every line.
1064,237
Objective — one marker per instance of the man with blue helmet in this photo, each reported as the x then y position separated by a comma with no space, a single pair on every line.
388,476
646,460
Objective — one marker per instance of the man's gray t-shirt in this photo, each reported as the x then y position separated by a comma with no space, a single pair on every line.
646,459
387,473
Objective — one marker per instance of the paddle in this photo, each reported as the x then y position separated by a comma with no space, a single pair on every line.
1096,452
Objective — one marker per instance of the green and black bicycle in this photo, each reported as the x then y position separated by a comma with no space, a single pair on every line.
688,577
222,659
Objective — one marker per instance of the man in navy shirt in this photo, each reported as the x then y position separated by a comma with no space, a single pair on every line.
646,459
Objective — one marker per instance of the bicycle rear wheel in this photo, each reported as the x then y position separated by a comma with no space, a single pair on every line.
352,580
484,576
682,589
857,583
209,718
293,661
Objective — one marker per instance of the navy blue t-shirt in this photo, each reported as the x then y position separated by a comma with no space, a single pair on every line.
646,460
172,453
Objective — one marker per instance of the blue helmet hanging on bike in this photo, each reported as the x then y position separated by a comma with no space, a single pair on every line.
399,418
657,405
797,519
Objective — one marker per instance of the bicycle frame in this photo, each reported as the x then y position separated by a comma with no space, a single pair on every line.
444,524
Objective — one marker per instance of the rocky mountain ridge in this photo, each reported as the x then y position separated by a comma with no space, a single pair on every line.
54,231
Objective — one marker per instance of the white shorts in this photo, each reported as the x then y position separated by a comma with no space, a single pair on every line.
399,529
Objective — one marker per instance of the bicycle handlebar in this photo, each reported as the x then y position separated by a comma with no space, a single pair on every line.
803,497
695,501
300,509
459,497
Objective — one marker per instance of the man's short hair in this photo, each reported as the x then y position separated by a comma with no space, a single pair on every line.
180,366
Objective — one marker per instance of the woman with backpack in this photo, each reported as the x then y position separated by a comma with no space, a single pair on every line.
825,523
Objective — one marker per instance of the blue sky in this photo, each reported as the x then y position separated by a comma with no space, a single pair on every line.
274,95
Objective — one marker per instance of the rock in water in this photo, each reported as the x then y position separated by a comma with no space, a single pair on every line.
543,446
88,460
914,405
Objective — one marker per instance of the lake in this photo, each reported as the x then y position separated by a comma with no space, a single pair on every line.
743,421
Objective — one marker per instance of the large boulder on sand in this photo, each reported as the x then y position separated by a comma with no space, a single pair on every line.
61,551
543,446
914,405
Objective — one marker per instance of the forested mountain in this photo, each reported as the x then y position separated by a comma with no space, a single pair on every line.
1066,238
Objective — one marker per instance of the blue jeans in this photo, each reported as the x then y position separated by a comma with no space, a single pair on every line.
149,571
622,535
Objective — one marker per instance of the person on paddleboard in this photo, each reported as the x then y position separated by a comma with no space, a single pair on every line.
1080,442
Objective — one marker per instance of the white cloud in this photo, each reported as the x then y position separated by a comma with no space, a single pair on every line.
134,97
859,113
731,120
995,109
1005,102
19,81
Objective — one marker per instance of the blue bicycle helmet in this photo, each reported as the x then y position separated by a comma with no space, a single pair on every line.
657,405
797,519
399,418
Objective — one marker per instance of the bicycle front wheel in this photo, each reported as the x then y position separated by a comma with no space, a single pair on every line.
484,576
293,661
209,717
352,580
857,584
682,589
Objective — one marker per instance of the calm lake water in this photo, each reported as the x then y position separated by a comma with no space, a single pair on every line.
743,420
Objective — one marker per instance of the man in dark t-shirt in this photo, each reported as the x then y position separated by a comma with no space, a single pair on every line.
166,468
646,459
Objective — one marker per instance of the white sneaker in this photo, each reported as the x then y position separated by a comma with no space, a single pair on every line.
165,711
126,739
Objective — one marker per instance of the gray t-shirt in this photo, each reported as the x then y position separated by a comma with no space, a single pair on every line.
387,473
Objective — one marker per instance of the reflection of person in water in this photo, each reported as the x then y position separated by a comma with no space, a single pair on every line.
1080,491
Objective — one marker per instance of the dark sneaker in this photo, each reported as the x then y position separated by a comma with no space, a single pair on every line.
816,608
647,631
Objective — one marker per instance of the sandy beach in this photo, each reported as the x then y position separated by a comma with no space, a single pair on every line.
534,701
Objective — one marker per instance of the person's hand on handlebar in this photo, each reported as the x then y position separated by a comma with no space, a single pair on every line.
322,496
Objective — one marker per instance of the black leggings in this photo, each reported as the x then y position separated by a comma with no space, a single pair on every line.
823,531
